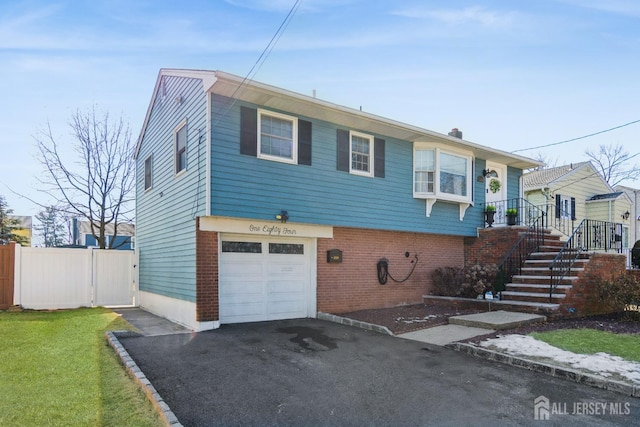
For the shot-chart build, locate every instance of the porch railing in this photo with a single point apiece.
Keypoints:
(525, 212)
(589, 236)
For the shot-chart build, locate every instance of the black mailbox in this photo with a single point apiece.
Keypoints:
(334, 255)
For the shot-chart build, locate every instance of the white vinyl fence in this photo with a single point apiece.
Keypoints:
(56, 278)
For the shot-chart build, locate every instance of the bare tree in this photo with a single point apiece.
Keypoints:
(98, 186)
(546, 161)
(613, 162)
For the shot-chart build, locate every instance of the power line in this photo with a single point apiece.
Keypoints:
(265, 53)
(580, 137)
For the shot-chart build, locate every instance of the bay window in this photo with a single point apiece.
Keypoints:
(442, 174)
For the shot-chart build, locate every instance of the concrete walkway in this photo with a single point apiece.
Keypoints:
(472, 325)
(149, 324)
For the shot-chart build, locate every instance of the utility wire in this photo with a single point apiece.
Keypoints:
(580, 137)
(263, 57)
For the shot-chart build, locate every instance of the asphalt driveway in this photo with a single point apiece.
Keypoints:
(311, 372)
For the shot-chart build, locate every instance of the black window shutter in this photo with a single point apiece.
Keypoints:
(573, 208)
(342, 152)
(378, 150)
(248, 131)
(304, 142)
(558, 206)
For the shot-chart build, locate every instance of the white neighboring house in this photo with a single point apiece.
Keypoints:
(634, 213)
(125, 239)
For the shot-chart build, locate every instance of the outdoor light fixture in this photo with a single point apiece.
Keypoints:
(283, 216)
(489, 173)
(625, 215)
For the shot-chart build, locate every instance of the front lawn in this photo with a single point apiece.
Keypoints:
(56, 369)
(591, 341)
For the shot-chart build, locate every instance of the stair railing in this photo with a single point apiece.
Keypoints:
(589, 236)
(530, 242)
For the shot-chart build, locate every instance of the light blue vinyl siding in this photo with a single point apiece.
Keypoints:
(166, 213)
(247, 187)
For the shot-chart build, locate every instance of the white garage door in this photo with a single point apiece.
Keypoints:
(265, 279)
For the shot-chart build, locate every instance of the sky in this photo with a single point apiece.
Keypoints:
(511, 75)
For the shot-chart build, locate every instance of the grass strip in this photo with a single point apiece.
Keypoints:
(57, 369)
(591, 341)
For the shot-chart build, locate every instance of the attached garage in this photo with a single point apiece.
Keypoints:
(266, 278)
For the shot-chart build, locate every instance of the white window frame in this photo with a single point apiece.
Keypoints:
(437, 194)
(182, 125)
(368, 173)
(149, 171)
(294, 137)
(565, 207)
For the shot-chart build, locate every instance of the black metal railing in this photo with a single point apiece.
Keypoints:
(558, 218)
(516, 211)
(534, 219)
(529, 243)
(589, 236)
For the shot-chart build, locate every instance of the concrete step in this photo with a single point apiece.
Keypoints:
(535, 287)
(547, 262)
(496, 320)
(567, 280)
(531, 296)
(541, 271)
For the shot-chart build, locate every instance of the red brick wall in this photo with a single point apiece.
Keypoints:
(206, 275)
(491, 245)
(353, 284)
(583, 299)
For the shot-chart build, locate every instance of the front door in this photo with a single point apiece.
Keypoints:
(496, 189)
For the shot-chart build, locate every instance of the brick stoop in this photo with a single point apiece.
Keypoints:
(532, 286)
(577, 295)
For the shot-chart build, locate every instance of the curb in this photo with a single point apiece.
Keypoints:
(543, 368)
(356, 323)
(132, 368)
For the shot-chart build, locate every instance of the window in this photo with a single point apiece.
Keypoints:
(181, 147)
(441, 174)
(453, 174)
(147, 173)
(425, 169)
(286, 248)
(242, 247)
(286, 139)
(361, 153)
(277, 137)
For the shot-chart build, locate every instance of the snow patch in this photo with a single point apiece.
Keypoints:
(600, 363)
(415, 319)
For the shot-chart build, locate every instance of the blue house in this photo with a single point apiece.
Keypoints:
(124, 239)
(256, 203)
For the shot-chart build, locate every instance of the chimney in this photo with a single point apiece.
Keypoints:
(455, 133)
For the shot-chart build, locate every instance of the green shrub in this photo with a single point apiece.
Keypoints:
(635, 255)
(621, 293)
(446, 281)
(468, 282)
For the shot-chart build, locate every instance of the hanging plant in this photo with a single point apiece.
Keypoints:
(494, 185)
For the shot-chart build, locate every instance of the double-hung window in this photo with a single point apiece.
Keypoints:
(424, 172)
(361, 147)
(442, 174)
(148, 163)
(277, 137)
(181, 147)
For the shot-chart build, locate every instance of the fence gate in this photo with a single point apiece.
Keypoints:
(113, 281)
(7, 264)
